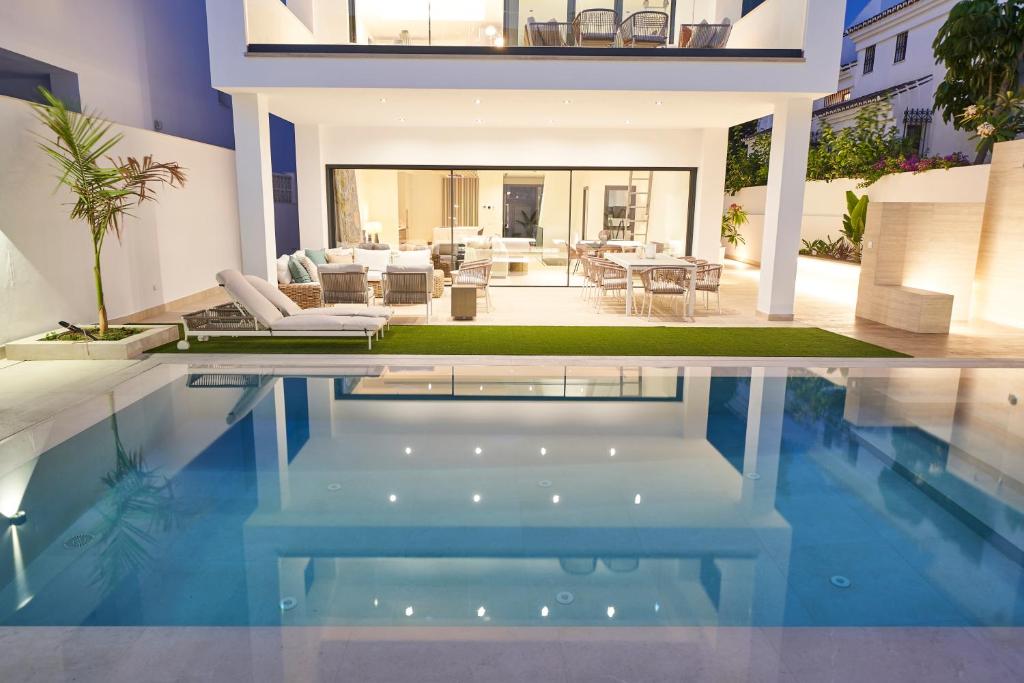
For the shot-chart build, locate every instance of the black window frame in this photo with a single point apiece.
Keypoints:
(901, 47)
(869, 59)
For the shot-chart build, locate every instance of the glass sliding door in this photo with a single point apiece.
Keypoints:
(520, 222)
(532, 224)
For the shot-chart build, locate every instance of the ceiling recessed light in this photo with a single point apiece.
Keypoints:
(658, 103)
(479, 121)
(401, 119)
(543, 451)
(476, 497)
(481, 611)
(392, 498)
(628, 122)
(637, 499)
(478, 450)
(566, 101)
(544, 611)
(408, 451)
(383, 100)
(476, 101)
(611, 452)
(611, 611)
(409, 611)
(556, 499)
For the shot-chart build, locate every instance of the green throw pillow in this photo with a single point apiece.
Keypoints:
(317, 256)
(298, 271)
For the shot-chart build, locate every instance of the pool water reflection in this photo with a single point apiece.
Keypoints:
(528, 497)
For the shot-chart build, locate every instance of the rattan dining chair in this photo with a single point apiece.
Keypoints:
(672, 282)
(709, 278)
(345, 283)
(595, 28)
(609, 277)
(643, 29)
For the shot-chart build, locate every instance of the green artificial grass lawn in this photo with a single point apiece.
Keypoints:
(493, 340)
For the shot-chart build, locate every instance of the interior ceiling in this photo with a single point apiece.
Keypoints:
(516, 109)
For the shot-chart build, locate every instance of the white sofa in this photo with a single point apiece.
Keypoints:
(375, 260)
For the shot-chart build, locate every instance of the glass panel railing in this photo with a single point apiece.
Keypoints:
(498, 24)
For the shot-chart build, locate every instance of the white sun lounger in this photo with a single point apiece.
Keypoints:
(290, 308)
(270, 322)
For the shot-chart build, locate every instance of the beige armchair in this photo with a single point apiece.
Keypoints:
(409, 285)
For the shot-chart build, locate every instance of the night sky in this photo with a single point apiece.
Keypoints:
(853, 8)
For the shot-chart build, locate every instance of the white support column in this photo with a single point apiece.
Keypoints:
(784, 208)
(311, 180)
(255, 184)
(707, 228)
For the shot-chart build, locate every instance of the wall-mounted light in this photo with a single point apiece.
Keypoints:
(18, 518)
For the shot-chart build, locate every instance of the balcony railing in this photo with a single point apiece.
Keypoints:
(511, 26)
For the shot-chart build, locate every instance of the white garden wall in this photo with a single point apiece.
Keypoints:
(171, 250)
(825, 203)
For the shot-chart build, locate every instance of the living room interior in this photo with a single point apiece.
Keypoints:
(528, 222)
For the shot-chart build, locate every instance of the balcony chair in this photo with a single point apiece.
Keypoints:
(704, 35)
(643, 29)
(672, 282)
(475, 274)
(545, 33)
(409, 285)
(595, 28)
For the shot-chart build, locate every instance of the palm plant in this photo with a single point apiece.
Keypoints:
(106, 188)
(529, 221)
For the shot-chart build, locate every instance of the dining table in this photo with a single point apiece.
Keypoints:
(634, 263)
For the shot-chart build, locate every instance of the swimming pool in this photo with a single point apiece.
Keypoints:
(523, 496)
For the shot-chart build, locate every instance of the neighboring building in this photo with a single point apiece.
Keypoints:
(140, 64)
(447, 125)
(887, 56)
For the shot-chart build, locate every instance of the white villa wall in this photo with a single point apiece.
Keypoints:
(457, 148)
(171, 250)
(136, 61)
(825, 203)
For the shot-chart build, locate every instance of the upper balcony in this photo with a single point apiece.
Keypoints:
(657, 28)
(533, 34)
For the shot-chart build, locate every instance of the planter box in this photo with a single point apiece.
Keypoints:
(32, 348)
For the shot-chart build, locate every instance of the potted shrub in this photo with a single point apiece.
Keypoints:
(732, 220)
(106, 189)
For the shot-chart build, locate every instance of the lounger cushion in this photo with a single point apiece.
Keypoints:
(242, 291)
(327, 323)
(358, 310)
(274, 295)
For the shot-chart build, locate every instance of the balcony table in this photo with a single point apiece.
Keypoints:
(633, 263)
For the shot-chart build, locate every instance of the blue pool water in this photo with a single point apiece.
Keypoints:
(528, 497)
